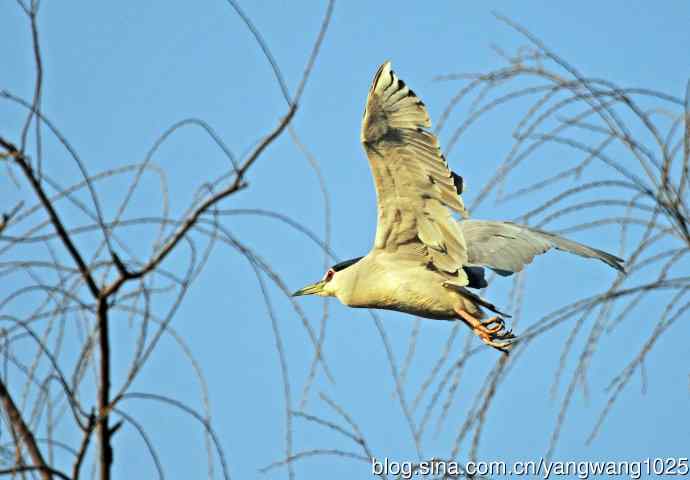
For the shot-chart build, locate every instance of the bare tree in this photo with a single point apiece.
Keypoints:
(76, 289)
(96, 284)
(641, 138)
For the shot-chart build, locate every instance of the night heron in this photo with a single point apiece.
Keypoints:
(424, 261)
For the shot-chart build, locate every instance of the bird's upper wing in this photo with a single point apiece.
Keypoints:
(507, 247)
(415, 190)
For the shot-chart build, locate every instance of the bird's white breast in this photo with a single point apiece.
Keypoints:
(407, 288)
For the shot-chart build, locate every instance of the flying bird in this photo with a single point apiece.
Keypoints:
(424, 261)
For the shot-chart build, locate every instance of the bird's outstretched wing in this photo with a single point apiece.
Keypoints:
(506, 247)
(415, 190)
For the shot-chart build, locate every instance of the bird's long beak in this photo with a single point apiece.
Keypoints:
(310, 289)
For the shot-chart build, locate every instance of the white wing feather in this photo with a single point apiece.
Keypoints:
(415, 190)
(507, 247)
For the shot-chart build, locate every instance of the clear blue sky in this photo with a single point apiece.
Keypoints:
(117, 75)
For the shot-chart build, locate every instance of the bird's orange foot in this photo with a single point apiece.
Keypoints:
(498, 323)
(492, 331)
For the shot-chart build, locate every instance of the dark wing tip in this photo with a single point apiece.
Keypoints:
(458, 182)
(610, 259)
(614, 261)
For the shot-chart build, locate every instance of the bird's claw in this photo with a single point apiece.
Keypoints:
(498, 323)
(491, 331)
(504, 343)
(495, 336)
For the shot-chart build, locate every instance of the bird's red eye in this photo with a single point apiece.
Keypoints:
(329, 275)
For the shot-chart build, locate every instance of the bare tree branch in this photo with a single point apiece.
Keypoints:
(25, 435)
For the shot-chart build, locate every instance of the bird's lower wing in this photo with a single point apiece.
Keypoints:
(507, 247)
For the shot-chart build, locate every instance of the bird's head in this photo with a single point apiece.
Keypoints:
(331, 282)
